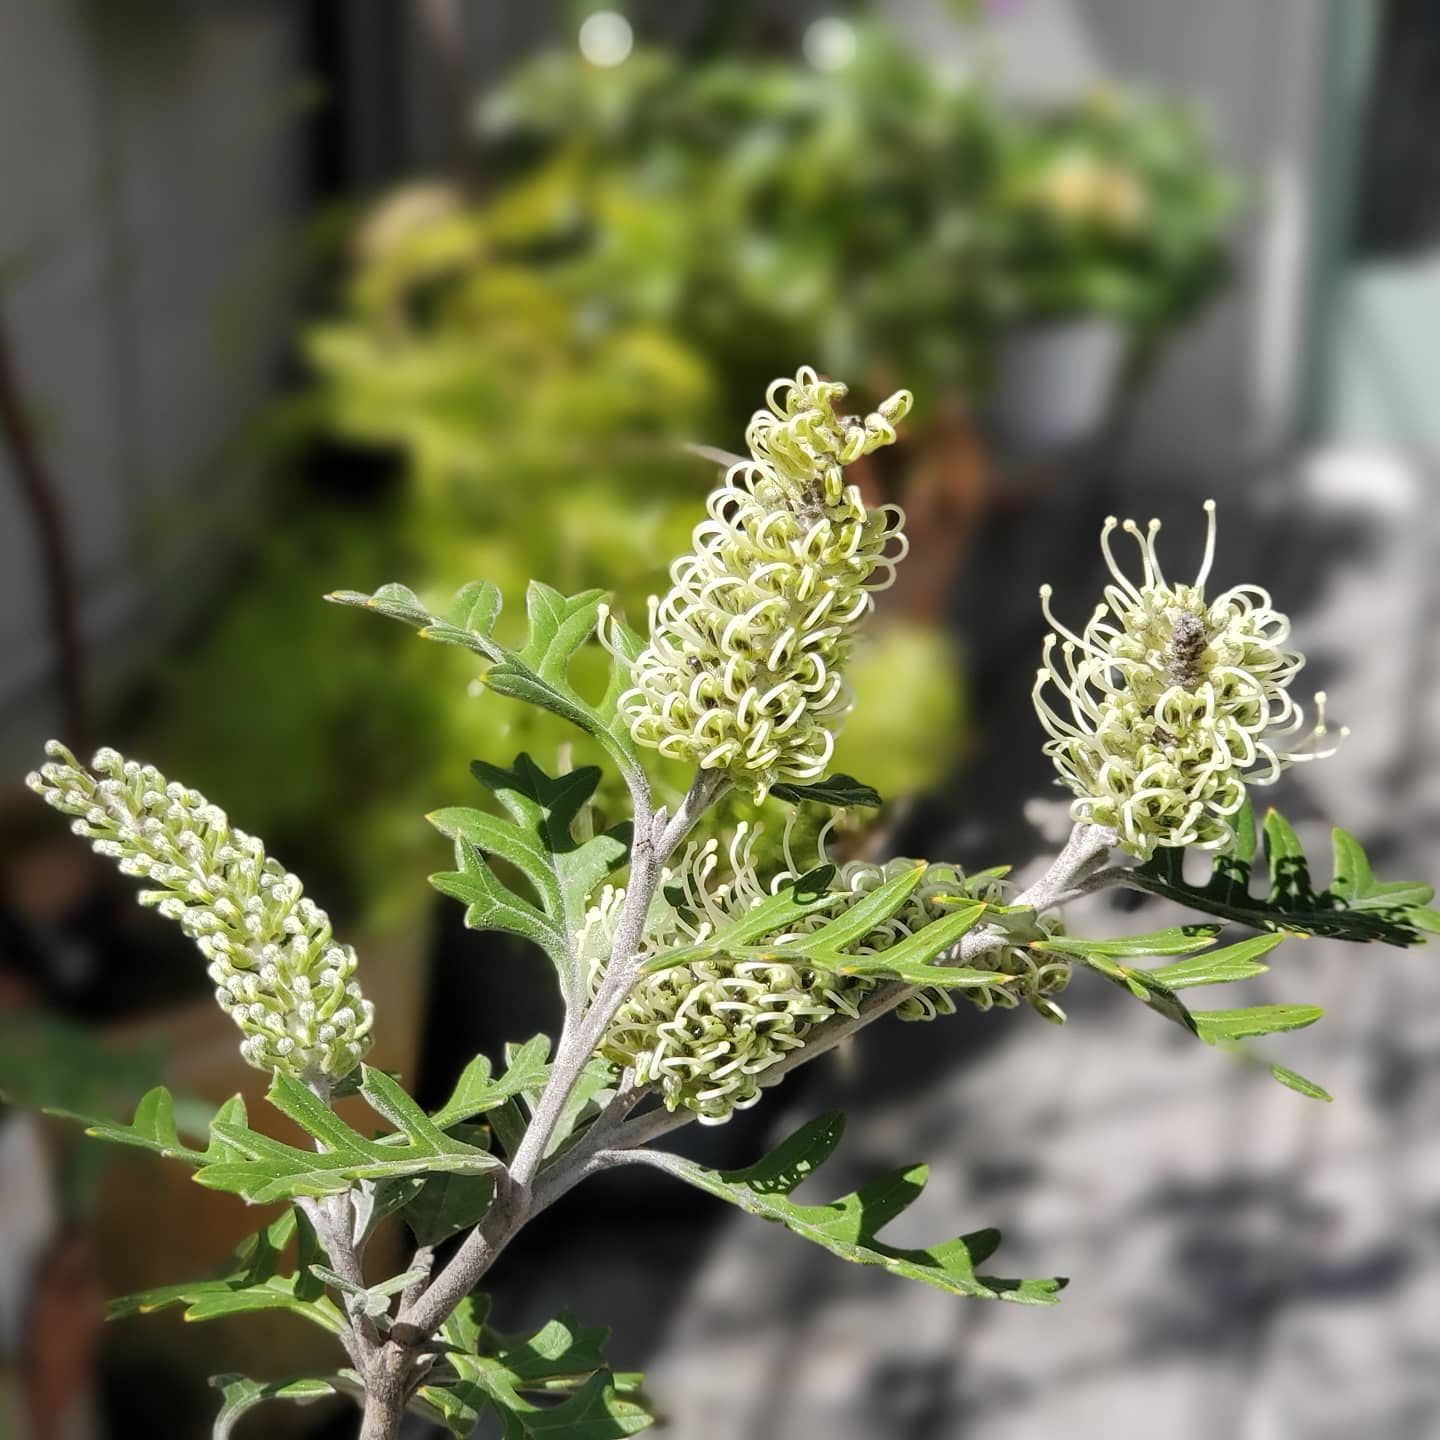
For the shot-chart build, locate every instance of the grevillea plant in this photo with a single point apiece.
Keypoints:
(691, 983)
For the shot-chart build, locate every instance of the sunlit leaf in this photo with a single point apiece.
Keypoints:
(1224, 965)
(912, 959)
(1178, 940)
(251, 1279)
(1355, 907)
(240, 1395)
(1217, 1025)
(840, 791)
(476, 1092)
(537, 835)
(153, 1128)
(587, 1097)
(771, 917)
(266, 1169)
(537, 673)
(1219, 967)
(848, 1226)
(552, 1383)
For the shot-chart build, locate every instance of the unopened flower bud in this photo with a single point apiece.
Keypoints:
(233, 901)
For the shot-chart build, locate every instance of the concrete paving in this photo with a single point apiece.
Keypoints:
(1245, 1264)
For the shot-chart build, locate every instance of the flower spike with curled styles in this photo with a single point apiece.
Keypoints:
(743, 669)
(1038, 974)
(278, 973)
(1177, 704)
(706, 1033)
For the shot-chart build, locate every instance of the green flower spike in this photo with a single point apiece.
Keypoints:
(706, 1033)
(743, 670)
(1177, 703)
(1039, 975)
(278, 973)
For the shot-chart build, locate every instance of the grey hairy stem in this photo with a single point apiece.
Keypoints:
(614, 1139)
(333, 1219)
(655, 841)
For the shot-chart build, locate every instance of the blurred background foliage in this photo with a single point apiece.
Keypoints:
(1112, 205)
(498, 288)
(506, 377)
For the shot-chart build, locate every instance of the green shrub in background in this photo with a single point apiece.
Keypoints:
(1114, 205)
(649, 243)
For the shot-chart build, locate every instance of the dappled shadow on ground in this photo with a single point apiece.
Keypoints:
(1234, 1272)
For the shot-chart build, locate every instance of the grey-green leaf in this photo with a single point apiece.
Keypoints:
(478, 601)
(475, 1092)
(269, 1169)
(848, 1226)
(1355, 907)
(839, 791)
(537, 835)
(240, 1395)
(562, 1362)
(587, 1097)
(153, 1128)
(1217, 1025)
(250, 1280)
(537, 673)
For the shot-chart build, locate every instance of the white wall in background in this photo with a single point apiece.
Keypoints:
(147, 196)
(1227, 389)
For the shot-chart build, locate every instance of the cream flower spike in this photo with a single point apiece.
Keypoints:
(743, 671)
(1176, 704)
(709, 1033)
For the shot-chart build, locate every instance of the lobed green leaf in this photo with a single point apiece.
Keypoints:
(537, 836)
(475, 1092)
(848, 1226)
(839, 791)
(447, 1203)
(562, 1364)
(537, 673)
(912, 959)
(153, 1128)
(267, 1169)
(589, 1095)
(770, 917)
(1157, 987)
(1355, 907)
(250, 1280)
(240, 1395)
(468, 620)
